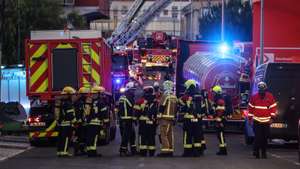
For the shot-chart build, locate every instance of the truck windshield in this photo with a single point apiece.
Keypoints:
(119, 63)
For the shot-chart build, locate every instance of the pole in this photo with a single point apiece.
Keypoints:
(222, 24)
(1, 40)
(261, 58)
(191, 19)
(19, 33)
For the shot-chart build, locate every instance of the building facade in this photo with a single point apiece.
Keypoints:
(169, 20)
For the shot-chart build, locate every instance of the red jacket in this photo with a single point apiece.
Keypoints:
(262, 110)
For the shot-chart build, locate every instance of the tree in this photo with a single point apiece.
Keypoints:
(238, 22)
(32, 15)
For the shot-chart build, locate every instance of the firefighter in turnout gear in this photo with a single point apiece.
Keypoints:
(95, 109)
(166, 119)
(80, 132)
(65, 117)
(262, 108)
(219, 115)
(127, 120)
(192, 127)
(146, 112)
(206, 108)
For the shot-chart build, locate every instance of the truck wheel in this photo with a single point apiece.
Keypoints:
(112, 133)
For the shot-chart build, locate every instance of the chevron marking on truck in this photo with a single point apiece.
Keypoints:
(157, 58)
(91, 53)
(38, 68)
(43, 134)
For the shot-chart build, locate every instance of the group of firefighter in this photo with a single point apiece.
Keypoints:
(85, 114)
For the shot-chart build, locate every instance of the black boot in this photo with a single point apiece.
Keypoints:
(143, 153)
(222, 151)
(264, 154)
(187, 153)
(256, 154)
(123, 153)
(133, 151)
(151, 153)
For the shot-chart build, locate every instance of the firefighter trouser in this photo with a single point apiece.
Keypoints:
(92, 132)
(166, 136)
(127, 136)
(203, 142)
(147, 133)
(192, 138)
(64, 138)
(261, 131)
(80, 142)
(220, 135)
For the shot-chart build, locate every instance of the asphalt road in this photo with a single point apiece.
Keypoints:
(239, 158)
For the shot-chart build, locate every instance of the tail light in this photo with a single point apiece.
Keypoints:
(34, 119)
(245, 112)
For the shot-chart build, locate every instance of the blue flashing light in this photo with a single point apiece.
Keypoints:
(20, 65)
(224, 48)
(118, 81)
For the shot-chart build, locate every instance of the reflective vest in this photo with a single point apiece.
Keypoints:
(66, 113)
(168, 107)
(262, 109)
(125, 109)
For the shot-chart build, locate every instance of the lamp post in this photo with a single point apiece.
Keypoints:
(261, 58)
(223, 22)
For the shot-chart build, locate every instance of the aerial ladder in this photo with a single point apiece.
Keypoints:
(123, 25)
(138, 24)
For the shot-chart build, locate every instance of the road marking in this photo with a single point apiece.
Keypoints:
(14, 154)
(282, 158)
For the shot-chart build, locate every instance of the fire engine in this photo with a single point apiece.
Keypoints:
(53, 63)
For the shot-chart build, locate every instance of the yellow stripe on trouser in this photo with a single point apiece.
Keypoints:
(222, 140)
(151, 147)
(66, 145)
(38, 73)
(185, 140)
(42, 49)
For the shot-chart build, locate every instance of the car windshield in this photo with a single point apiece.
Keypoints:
(119, 62)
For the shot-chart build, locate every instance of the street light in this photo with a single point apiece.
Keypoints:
(261, 58)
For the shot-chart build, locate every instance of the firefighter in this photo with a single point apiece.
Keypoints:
(262, 109)
(166, 119)
(80, 132)
(191, 105)
(94, 109)
(65, 116)
(147, 114)
(206, 108)
(127, 120)
(219, 115)
(157, 91)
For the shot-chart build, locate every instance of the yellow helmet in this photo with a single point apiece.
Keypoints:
(189, 83)
(68, 90)
(98, 89)
(84, 90)
(217, 89)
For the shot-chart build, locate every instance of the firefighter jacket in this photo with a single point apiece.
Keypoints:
(191, 106)
(96, 109)
(79, 109)
(262, 109)
(125, 108)
(219, 108)
(65, 112)
(206, 106)
(146, 110)
(167, 107)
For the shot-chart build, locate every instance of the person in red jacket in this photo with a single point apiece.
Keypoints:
(262, 108)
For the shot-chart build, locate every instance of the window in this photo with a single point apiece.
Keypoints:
(175, 11)
(124, 10)
(166, 12)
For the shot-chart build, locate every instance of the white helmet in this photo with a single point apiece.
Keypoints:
(168, 86)
(156, 84)
(129, 85)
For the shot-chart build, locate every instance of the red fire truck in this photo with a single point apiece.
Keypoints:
(52, 64)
